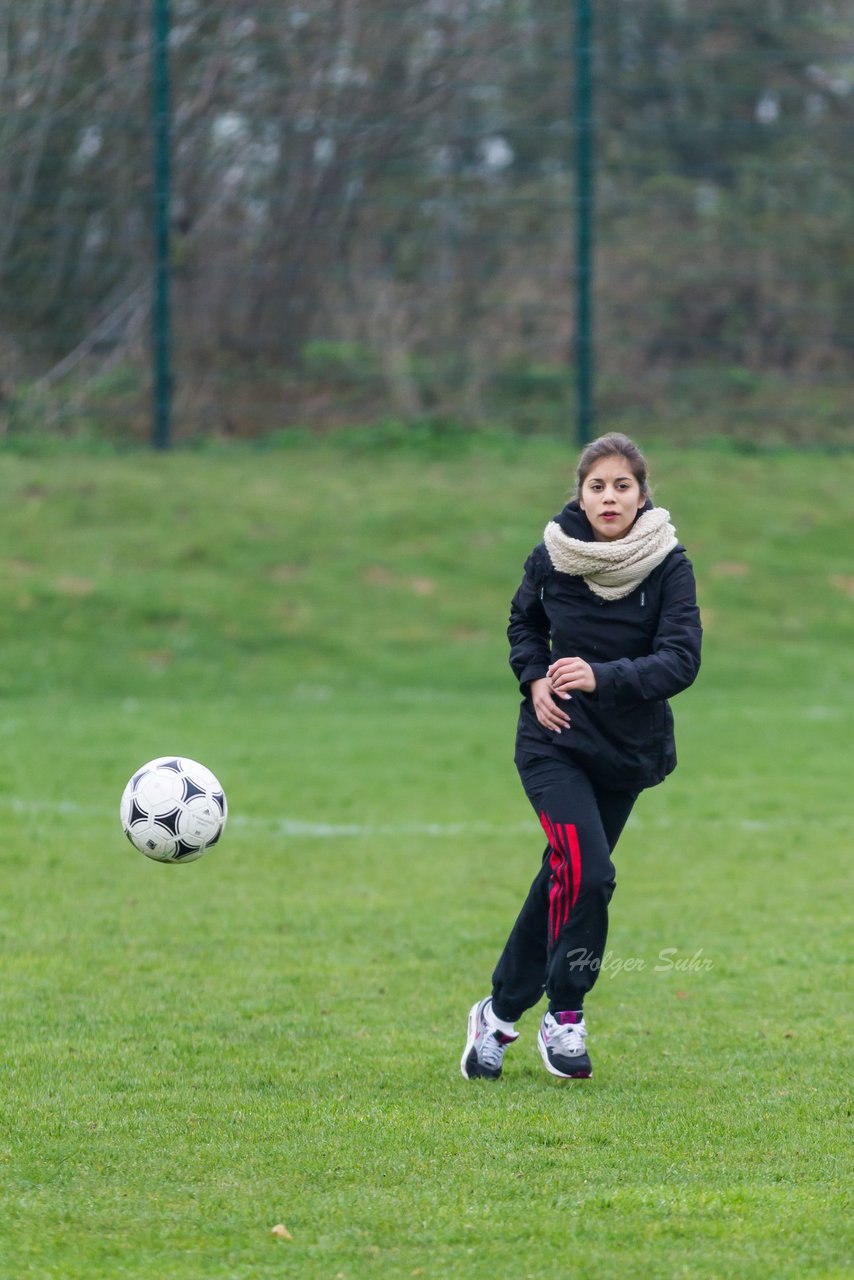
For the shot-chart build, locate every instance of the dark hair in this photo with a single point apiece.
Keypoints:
(614, 444)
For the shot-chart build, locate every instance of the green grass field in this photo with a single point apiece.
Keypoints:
(272, 1034)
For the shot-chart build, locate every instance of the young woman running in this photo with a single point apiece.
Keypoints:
(603, 630)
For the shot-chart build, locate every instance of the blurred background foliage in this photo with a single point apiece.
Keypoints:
(373, 216)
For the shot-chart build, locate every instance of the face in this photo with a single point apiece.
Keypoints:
(611, 498)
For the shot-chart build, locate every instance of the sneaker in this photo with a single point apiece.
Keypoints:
(486, 1042)
(561, 1044)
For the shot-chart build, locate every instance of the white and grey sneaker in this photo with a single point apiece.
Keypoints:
(561, 1044)
(487, 1039)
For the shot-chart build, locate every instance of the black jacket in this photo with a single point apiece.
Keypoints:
(643, 649)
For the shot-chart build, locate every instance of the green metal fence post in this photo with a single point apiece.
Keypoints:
(161, 303)
(584, 203)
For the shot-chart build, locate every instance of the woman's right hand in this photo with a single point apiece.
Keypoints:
(549, 714)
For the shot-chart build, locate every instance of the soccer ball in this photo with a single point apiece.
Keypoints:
(173, 809)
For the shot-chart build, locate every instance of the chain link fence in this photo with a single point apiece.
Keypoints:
(373, 212)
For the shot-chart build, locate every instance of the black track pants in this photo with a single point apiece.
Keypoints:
(558, 941)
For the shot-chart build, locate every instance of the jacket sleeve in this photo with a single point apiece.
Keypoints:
(675, 659)
(529, 631)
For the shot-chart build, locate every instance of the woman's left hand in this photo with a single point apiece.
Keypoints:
(572, 673)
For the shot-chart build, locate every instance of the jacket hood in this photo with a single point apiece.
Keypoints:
(575, 524)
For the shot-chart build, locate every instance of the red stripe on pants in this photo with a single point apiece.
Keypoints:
(565, 864)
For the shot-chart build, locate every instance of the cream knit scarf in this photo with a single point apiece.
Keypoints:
(613, 569)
